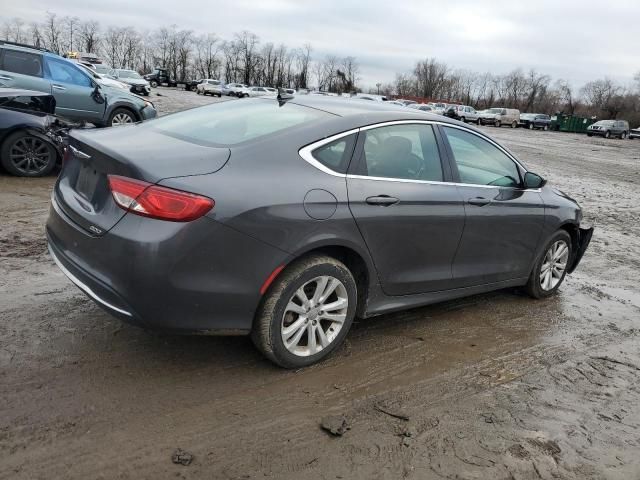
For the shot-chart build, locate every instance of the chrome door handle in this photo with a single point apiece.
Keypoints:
(382, 200)
(479, 201)
(59, 87)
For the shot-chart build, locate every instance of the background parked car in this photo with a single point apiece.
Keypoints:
(421, 106)
(609, 128)
(106, 80)
(634, 133)
(29, 144)
(438, 108)
(464, 113)
(78, 96)
(499, 116)
(209, 86)
(162, 76)
(535, 121)
(138, 84)
(235, 90)
(260, 91)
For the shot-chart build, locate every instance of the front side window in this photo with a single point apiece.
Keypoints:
(408, 152)
(480, 162)
(64, 72)
(23, 63)
(336, 155)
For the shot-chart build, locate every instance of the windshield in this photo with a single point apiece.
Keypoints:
(605, 123)
(495, 110)
(230, 123)
(103, 70)
(128, 74)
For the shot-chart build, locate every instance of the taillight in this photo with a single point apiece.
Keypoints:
(149, 200)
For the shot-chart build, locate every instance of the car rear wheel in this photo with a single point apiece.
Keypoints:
(153, 83)
(545, 128)
(623, 136)
(551, 268)
(198, 91)
(463, 120)
(498, 123)
(121, 116)
(306, 313)
(514, 125)
(26, 155)
(479, 121)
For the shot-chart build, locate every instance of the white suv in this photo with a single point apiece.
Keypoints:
(209, 86)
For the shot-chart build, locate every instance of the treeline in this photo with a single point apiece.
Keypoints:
(243, 58)
(527, 91)
(246, 59)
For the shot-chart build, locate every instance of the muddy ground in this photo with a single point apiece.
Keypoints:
(496, 386)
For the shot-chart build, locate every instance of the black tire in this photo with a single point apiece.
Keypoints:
(531, 127)
(607, 134)
(219, 95)
(545, 128)
(514, 124)
(623, 136)
(463, 120)
(498, 123)
(198, 91)
(533, 287)
(589, 134)
(39, 155)
(267, 326)
(153, 84)
(480, 121)
(123, 112)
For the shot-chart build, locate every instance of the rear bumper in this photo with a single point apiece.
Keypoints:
(584, 238)
(198, 277)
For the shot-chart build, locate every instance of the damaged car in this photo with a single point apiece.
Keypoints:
(31, 136)
(285, 218)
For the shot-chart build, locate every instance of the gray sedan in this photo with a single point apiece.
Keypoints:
(286, 218)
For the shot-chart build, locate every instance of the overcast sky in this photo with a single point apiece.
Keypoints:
(575, 40)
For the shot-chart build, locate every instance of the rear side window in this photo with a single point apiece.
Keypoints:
(230, 123)
(407, 152)
(480, 162)
(23, 63)
(336, 155)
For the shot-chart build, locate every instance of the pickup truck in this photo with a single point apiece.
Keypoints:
(161, 76)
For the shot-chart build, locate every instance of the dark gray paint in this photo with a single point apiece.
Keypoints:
(206, 275)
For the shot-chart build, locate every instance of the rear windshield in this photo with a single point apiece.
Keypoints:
(230, 123)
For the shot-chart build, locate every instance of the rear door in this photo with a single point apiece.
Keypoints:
(73, 91)
(410, 218)
(503, 221)
(21, 69)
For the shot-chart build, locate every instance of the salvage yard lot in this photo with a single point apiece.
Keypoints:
(492, 386)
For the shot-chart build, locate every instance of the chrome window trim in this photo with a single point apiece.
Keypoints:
(85, 288)
(306, 154)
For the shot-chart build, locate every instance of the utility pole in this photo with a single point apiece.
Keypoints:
(378, 87)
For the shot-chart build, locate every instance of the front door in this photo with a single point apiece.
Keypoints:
(73, 91)
(410, 219)
(503, 220)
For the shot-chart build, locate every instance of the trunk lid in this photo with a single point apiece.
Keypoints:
(82, 190)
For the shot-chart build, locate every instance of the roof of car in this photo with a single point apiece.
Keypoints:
(19, 92)
(356, 107)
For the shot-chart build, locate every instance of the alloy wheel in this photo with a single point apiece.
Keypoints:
(30, 155)
(314, 316)
(121, 119)
(554, 265)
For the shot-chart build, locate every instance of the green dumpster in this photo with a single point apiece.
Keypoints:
(571, 123)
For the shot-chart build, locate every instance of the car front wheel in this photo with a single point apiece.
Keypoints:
(27, 155)
(121, 116)
(306, 313)
(623, 136)
(549, 271)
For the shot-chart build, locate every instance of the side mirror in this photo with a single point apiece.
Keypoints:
(533, 180)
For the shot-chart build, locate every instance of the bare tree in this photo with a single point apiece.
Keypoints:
(53, 33)
(89, 34)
